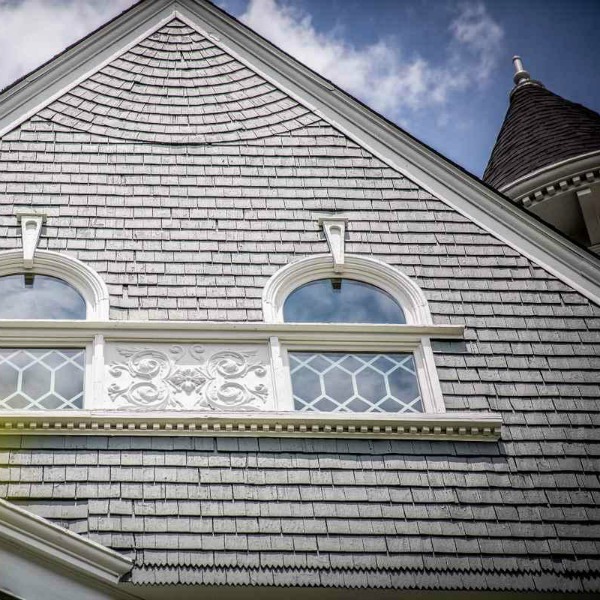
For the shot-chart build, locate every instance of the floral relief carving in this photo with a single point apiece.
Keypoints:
(187, 377)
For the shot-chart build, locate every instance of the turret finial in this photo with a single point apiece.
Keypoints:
(521, 75)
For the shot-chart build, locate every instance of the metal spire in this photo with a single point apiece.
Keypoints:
(521, 75)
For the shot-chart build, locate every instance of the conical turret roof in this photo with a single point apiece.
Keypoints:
(540, 129)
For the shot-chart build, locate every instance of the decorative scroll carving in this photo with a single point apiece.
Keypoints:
(187, 377)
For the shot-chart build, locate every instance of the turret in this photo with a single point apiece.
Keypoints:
(547, 158)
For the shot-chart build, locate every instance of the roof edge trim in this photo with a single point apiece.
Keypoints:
(550, 173)
(58, 545)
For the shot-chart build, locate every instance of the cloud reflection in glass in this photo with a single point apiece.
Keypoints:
(39, 297)
(341, 301)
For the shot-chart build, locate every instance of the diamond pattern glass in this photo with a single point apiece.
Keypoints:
(365, 383)
(41, 379)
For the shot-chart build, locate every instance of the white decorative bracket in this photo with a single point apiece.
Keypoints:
(31, 227)
(334, 227)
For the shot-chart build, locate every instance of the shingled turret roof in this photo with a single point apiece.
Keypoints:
(540, 129)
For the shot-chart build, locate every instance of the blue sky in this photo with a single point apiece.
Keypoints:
(439, 68)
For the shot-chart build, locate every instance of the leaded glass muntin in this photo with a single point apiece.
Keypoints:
(38, 296)
(42, 378)
(357, 382)
(341, 300)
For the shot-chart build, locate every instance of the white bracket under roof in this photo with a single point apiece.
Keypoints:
(334, 227)
(31, 228)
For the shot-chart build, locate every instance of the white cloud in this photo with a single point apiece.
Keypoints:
(32, 31)
(379, 73)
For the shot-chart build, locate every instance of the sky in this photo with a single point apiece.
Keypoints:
(441, 69)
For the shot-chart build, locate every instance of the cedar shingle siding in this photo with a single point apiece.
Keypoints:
(186, 180)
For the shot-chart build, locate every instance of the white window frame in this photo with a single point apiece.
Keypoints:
(72, 271)
(369, 270)
(88, 284)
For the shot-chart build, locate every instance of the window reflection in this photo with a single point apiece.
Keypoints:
(341, 301)
(28, 296)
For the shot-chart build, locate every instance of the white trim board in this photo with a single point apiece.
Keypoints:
(61, 333)
(59, 546)
(472, 426)
(466, 194)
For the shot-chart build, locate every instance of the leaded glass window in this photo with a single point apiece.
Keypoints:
(41, 379)
(30, 296)
(357, 382)
(341, 301)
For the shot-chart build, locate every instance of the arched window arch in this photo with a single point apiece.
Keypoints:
(347, 370)
(359, 268)
(54, 268)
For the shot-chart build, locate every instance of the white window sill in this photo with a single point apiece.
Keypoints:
(472, 426)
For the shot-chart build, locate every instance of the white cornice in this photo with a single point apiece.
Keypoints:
(552, 174)
(461, 191)
(474, 426)
(57, 545)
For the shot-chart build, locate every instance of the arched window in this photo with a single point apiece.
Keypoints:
(51, 272)
(31, 296)
(357, 376)
(58, 287)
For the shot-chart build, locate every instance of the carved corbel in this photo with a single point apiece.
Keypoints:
(334, 227)
(31, 228)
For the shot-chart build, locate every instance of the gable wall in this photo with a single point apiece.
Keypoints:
(186, 213)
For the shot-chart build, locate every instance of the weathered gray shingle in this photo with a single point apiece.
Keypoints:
(186, 202)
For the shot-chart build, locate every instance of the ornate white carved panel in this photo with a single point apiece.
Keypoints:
(206, 377)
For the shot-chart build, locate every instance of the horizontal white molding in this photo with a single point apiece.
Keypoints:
(47, 333)
(551, 175)
(471, 426)
(57, 545)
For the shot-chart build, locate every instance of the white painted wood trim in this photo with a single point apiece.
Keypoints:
(57, 545)
(475, 426)
(282, 388)
(31, 229)
(335, 231)
(41, 333)
(84, 279)
(431, 390)
(370, 270)
(551, 175)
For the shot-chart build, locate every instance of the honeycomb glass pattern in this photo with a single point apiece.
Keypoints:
(41, 379)
(362, 383)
